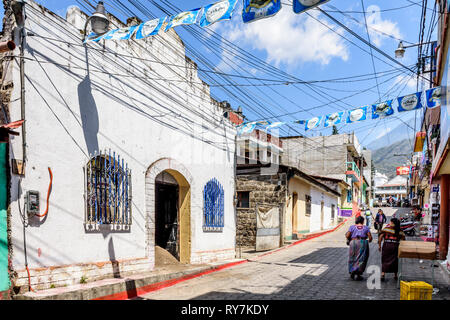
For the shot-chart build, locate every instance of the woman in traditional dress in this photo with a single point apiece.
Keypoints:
(390, 236)
(359, 236)
(380, 220)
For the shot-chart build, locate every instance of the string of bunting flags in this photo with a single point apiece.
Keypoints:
(223, 10)
(385, 109)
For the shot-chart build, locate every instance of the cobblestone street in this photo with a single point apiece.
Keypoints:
(315, 269)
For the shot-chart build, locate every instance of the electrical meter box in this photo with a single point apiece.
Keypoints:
(32, 202)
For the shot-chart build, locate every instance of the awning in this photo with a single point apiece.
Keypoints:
(7, 128)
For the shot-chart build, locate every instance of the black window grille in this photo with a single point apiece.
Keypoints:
(308, 205)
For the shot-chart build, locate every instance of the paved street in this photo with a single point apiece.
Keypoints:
(315, 269)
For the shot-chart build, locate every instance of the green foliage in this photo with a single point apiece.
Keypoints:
(83, 279)
(335, 130)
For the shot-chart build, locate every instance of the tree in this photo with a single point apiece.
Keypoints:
(335, 130)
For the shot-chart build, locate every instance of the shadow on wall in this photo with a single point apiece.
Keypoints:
(89, 115)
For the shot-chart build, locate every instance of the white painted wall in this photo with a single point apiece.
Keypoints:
(70, 114)
(317, 196)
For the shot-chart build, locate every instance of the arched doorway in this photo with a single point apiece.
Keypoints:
(166, 213)
(168, 206)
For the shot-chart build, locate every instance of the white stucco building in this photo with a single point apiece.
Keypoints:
(87, 106)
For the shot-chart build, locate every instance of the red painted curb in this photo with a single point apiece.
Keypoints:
(132, 293)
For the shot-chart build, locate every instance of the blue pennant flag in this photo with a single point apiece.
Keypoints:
(410, 102)
(187, 17)
(246, 128)
(333, 118)
(122, 34)
(106, 35)
(92, 37)
(149, 28)
(303, 5)
(274, 125)
(259, 9)
(382, 110)
(313, 123)
(219, 11)
(356, 115)
(433, 97)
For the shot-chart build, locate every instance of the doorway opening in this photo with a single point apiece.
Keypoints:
(167, 213)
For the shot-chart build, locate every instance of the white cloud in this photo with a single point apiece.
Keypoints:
(376, 22)
(290, 38)
(408, 82)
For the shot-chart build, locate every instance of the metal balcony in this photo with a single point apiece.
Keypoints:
(353, 171)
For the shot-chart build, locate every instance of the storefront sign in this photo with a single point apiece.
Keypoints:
(402, 171)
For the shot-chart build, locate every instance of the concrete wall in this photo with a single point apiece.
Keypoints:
(314, 221)
(324, 156)
(302, 188)
(82, 100)
(318, 196)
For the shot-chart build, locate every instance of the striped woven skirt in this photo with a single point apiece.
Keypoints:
(358, 256)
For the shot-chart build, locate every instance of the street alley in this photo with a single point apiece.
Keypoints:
(315, 269)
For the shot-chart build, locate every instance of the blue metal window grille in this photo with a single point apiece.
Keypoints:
(213, 206)
(107, 190)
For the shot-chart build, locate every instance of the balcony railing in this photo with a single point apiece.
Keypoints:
(351, 166)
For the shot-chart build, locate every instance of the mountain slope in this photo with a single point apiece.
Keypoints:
(384, 160)
(390, 136)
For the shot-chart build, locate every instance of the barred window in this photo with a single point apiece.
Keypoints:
(107, 190)
(213, 206)
(243, 199)
(333, 211)
(308, 205)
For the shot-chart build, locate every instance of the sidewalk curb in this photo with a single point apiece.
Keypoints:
(129, 294)
(168, 283)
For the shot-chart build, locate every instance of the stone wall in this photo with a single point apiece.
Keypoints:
(264, 192)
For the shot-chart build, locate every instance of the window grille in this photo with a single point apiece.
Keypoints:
(243, 198)
(308, 205)
(107, 190)
(333, 210)
(213, 206)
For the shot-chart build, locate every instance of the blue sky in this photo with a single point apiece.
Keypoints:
(307, 46)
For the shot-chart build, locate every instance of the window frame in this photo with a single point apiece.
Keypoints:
(213, 206)
(239, 200)
(308, 205)
(107, 191)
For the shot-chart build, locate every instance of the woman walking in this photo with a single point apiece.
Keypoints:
(380, 220)
(359, 237)
(390, 236)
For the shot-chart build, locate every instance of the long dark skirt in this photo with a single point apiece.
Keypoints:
(358, 256)
(389, 257)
